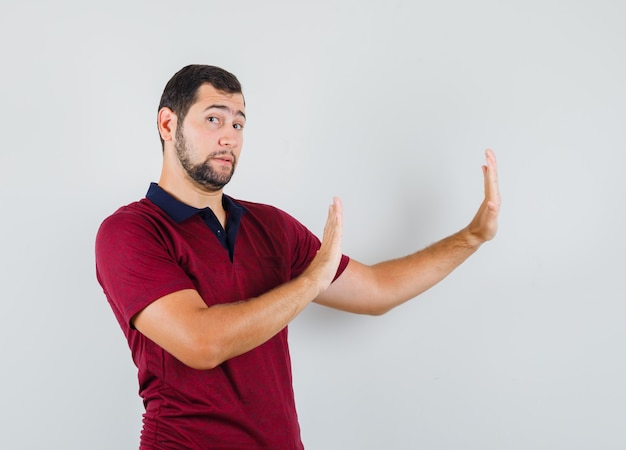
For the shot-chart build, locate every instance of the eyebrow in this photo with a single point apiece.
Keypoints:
(225, 108)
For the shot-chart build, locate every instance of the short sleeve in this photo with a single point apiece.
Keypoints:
(135, 264)
(304, 245)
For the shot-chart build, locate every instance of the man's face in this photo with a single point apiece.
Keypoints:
(208, 142)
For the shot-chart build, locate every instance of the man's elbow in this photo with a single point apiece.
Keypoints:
(378, 306)
(201, 355)
(378, 310)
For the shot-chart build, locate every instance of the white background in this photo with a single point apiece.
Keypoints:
(389, 105)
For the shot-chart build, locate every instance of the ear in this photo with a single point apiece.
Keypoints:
(166, 121)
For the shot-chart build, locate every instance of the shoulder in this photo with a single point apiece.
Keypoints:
(135, 221)
(263, 211)
(255, 207)
(272, 220)
(142, 212)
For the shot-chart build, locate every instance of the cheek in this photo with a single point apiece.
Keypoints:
(237, 151)
(195, 136)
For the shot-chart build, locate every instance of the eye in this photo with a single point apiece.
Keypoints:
(238, 126)
(213, 119)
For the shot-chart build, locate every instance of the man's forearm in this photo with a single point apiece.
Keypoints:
(376, 289)
(402, 279)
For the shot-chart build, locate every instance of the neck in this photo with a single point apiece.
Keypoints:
(184, 189)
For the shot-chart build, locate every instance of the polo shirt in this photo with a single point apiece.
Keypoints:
(158, 246)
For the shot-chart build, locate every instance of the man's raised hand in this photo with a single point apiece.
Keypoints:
(484, 225)
(324, 266)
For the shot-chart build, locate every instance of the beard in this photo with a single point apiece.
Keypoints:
(203, 173)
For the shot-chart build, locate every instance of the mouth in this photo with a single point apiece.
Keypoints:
(224, 159)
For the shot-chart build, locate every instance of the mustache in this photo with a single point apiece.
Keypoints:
(222, 153)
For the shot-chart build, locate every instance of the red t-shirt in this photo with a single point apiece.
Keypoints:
(142, 254)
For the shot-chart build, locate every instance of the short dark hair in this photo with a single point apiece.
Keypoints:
(180, 91)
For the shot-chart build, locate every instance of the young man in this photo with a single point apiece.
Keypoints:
(204, 285)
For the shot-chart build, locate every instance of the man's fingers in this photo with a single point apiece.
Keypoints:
(490, 172)
(334, 221)
(338, 206)
(338, 210)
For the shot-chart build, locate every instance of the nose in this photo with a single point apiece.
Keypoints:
(229, 137)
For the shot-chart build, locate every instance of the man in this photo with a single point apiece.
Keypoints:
(204, 285)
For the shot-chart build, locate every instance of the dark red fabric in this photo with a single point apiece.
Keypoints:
(246, 402)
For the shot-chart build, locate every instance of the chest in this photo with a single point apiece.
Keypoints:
(261, 261)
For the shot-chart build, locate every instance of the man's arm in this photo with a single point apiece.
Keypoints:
(203, 337)
(378, 288)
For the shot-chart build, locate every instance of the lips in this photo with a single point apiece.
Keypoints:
(224, 159)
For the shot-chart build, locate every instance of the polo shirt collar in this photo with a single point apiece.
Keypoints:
(179, 211)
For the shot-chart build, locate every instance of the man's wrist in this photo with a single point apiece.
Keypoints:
(472, 240)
